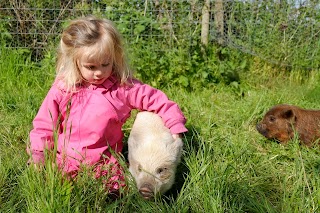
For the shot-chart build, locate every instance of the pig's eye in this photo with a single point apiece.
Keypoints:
(161, 170)
(139, 168)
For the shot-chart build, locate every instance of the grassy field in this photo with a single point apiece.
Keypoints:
(227, 165)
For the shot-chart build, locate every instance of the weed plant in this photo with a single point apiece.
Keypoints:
(227, 165)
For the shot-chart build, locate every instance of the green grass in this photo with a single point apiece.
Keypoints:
(227, 165)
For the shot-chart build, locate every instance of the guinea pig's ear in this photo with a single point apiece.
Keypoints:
(289, 115)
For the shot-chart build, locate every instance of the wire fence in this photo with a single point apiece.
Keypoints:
(281, 32)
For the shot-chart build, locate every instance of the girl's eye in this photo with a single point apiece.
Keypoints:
(104, 65)
(89, 67)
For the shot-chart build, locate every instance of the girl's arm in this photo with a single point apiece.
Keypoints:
(41, 136)
(147, 98)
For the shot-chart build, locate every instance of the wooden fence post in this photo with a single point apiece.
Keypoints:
(205, 23)
(218, 21)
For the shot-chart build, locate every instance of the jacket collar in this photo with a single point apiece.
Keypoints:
(109, 82)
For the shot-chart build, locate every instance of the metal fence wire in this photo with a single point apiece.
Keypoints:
(280, 31)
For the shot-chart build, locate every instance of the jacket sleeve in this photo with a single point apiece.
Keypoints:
(41, 136)
(147, 98)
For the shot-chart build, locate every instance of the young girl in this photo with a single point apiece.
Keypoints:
(92, 97)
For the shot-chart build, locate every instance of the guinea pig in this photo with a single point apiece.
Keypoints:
(282, 121)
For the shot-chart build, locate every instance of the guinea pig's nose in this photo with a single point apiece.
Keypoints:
(258, 126)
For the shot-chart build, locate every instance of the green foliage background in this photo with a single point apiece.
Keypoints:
(163, 37)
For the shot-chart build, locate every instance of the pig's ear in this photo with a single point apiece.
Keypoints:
(177, 146)
(133, 140)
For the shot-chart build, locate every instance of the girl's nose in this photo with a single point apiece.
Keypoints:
(98, 73)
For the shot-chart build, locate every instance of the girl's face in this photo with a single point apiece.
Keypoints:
(94, 72)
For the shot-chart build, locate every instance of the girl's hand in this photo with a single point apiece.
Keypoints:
(39, 166)
(175, 136)
(36, 166)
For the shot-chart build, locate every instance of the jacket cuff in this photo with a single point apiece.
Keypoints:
(178, 128)
(37, 157)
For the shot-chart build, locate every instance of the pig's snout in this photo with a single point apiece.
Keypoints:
(146, 191)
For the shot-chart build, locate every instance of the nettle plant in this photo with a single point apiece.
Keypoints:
(164, 45)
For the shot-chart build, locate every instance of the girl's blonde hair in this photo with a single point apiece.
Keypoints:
(97, 40)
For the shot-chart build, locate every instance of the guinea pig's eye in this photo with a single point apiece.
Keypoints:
(161, 169)
(272, 118)
(139, 168)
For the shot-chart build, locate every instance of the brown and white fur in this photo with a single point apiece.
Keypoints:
(153, 155)
(282, 121)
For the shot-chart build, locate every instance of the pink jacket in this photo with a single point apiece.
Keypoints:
(89, 122)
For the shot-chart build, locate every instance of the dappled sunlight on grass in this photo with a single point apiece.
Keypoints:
(227, 165)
